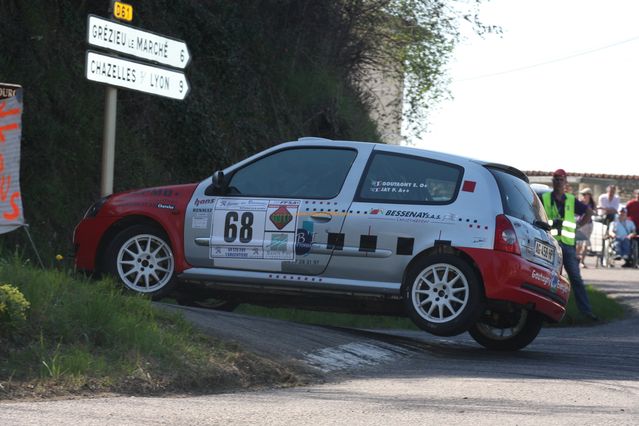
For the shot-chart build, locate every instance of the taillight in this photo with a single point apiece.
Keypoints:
(505, 236)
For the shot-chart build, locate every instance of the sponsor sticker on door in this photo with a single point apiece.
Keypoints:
(254, 229)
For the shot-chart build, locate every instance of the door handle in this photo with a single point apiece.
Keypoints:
(203, 242)
(321, 217)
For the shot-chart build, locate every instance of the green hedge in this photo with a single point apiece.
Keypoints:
(262, 72)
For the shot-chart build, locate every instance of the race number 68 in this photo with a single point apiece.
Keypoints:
(245, 227)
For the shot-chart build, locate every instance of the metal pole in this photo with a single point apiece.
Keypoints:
(108, 133)
(26, 229)
(108, 143)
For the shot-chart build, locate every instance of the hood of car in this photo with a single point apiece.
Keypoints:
(162, 198)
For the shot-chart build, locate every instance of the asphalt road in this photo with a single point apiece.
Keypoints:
(579, 375)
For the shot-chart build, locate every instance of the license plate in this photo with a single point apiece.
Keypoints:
(544, 251)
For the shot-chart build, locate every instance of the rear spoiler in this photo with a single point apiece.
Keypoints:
(508, 169)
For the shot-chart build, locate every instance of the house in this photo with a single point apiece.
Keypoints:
(597, 182)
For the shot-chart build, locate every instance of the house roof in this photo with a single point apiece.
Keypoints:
(590, 175)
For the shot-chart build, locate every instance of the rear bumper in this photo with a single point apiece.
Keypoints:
(511, 278)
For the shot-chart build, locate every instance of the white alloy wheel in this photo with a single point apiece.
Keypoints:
(440, 293)
(145, 263)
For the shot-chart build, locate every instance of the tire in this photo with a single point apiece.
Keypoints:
(508, 331)
(442, 295)
(141, 259)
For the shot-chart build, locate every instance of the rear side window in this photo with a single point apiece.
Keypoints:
(397, 178)
(518, 198)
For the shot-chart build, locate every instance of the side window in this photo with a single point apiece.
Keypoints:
(401, 178)
(298, 172)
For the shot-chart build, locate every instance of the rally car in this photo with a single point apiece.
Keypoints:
(456, 244)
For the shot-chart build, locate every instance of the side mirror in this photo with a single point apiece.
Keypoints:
(218, 185)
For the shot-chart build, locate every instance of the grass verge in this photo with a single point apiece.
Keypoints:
(606, 308)
(85, 337)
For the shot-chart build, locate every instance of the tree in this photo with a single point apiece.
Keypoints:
(411, 40)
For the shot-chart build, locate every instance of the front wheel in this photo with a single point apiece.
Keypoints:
(442, 295)
(506, 331)
(140, 257)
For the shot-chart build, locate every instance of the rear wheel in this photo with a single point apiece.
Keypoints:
(442, 295)
(142, 260)
(506, 331)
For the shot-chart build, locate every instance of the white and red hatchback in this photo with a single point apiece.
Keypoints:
(456, 244)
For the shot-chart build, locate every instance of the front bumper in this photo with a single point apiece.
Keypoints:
(86, 240)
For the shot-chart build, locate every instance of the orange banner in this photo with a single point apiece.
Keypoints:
(11, 215)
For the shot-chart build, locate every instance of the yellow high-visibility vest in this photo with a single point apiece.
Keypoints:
(568, 229)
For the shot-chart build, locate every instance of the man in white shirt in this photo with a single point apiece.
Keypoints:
(609, 203)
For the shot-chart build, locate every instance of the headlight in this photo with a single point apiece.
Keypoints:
(95, 207)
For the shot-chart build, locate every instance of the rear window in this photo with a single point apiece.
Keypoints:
(518, 199)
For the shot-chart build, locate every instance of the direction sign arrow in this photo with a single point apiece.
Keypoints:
(135, 42)
(136, 76)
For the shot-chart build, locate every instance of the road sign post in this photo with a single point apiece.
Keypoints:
(119, 72)
(108, 143)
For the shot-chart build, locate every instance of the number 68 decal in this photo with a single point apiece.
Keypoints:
(245, 227)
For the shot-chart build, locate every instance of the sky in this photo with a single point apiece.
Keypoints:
(558, 89)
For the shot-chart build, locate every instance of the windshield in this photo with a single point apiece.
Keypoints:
(518, 199)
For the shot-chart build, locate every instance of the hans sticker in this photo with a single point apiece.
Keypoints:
(199, 202)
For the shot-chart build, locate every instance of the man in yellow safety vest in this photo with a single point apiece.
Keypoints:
(562, 209)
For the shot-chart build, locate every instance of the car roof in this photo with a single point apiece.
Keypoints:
(414, 151)
(385, 147)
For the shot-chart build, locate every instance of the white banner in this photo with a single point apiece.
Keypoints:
(11, 214)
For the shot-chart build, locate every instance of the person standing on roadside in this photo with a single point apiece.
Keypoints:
(562, 210)
(609, 203)
(632, 208)
(585, 230)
